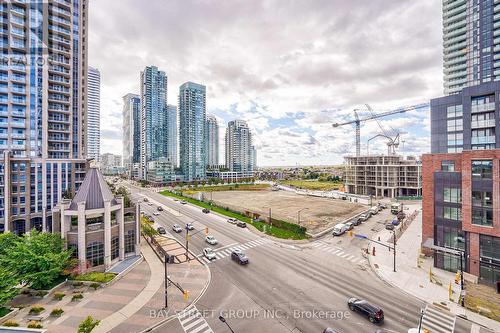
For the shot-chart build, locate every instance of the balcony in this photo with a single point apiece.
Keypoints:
(482, 107)
(477, 140)
(18, 136)
(18, 124)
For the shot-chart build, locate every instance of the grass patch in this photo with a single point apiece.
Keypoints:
(4, 311)
(35, 324)
(315, 185)
(234, 187)
(482, 299)
(95, 277)
(59, 296)
(37, 309)
(57, 312)
(281, 229)
(11, 323)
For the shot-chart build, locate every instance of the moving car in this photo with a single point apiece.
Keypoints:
(205, 210)
(349, 225)
(373, 312)
(160, 208)
(241, 224)
(161, 230)
(177, 228)
(239, 257)
(145, 199)
(209, 253)
(183, 202)
(232, 221)
(330, 330)
(339, 229)
(211, 240)
(189, 226)
(156, 213)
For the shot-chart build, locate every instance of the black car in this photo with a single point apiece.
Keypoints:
(241, 224)
(161, 230)
(239, 257)
(373, 312)
(357, 221)
(205, 210)
(160, 208)
(389, 226)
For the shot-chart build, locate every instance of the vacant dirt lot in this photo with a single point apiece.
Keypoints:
(318, 213)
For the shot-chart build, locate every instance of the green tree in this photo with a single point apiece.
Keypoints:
(87, 325)
(38, 260)
(7, 241)
(8, 286)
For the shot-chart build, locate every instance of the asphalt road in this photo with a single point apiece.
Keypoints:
(285, 288)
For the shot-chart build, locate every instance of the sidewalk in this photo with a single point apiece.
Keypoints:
(413, 279)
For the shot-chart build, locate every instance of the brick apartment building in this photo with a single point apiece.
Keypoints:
(461, 182)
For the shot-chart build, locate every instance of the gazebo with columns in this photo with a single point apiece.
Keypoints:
(98, 226)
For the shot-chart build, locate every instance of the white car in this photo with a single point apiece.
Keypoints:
(156, 213)
(232, 221)
(208, 253)
(177, 228)
(211, 240)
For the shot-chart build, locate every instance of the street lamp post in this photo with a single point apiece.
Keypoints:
(221, 318)
(462, 287)
(420, 321)
(394, 249)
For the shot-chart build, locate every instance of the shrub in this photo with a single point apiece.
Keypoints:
(35, 324)
(36, 309)
(40, 293)
(95, 285)
(57, 312)
(11, 323)
(95, 277)
(77, 297)
(59, 296)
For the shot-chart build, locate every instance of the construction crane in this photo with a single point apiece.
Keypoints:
(393, 143)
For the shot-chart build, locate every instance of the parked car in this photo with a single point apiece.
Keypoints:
(161, 230)
(382, 205)
(364, 217)
(349, 225)
(145, 199)
(356, 221)
(373, 312)
(189, 226)
(205, 210)
(330, 330)
(160, 208)
(232, 221)
(395, 222)
(241, 224)
(389, 226)
(211, 240)
(209, 253)
(374, 210)
(183, 202)
(339, 229)
(177, 228)
(239, 257)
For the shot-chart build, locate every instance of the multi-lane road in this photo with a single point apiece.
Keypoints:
(285, 287)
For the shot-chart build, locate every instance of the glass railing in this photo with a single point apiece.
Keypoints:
(483, 123)
(482, 139)
(483, 107)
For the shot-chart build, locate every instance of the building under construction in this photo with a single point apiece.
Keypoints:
(383, 176)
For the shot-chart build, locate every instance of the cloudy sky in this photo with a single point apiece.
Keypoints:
(290, 68)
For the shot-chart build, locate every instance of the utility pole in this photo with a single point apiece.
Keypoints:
(462, 289)
(187, 243)
(166, 280)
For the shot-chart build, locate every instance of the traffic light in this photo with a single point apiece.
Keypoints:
(186, 295)
(206, 230)
(350, 233)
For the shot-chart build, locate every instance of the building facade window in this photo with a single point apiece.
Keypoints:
(454, 111)
(482, 169)
(115, 248)
(453, 195)
(483, 217)
(95, 254)
(452, 213)
(482, 199)
(448, 166)
(489, 252)
(455, 125)
(130, 241)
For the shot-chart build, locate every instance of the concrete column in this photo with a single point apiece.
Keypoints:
(44, 218)
(121, 228)
(137, 229)
(107, 234)
(6, 179)
(82, 246)
(62, 222)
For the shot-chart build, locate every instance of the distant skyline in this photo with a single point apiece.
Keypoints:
(289, 76)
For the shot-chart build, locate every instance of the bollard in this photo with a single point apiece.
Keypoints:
(373, 251)
(379, 238)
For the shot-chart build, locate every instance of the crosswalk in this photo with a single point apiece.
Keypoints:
(337, 251)
(193, 322)
(223, 253)
(436, 321)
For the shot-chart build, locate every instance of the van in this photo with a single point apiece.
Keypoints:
(339, 229)
(374, 210)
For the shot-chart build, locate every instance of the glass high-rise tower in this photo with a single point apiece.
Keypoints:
(153, 116)
(172, 134)
(212, 140)
(239, 148)
(43, 69)
(93, 114)
(192, 117)
(131, 130)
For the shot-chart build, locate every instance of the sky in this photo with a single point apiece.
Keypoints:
(289, 68)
